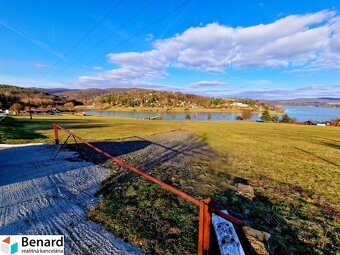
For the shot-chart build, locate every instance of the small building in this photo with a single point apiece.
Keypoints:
(238, 104)
(310, 122)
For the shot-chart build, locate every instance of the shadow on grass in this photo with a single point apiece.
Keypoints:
(183, 150)
(261, 214)
(310, 220)
(316, 156)
(26, 129)
(12, 129)
(159, 154)
(114, 148)
(332, 145)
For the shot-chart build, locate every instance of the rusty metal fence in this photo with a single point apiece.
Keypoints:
(206, 206)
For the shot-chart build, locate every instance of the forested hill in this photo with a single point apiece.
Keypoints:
(20, 98)
(135, 97)
(79, 94)
(119, 97)
(153, 98)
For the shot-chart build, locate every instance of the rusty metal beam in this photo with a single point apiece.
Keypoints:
(206, 207)
(145, 175)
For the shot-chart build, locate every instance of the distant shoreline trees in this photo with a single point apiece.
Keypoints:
(284, 118)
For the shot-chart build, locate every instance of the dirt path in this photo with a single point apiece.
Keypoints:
(41, 196)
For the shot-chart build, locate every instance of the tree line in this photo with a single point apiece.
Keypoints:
(152, 98)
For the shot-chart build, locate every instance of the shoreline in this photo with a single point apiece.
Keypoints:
(177, 110)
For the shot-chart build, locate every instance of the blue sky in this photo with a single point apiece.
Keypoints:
(257, 49)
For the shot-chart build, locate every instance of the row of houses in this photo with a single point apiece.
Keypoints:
(44, 111)
(33, 111)
(325, 123)
(4, 111)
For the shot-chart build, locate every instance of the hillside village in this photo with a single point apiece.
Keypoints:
(19, 99)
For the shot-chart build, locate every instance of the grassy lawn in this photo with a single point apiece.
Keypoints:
(92, 128)
(294, 169)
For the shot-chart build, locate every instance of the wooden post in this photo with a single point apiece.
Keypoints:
(29, 106)
(56, 134)
(204, 227)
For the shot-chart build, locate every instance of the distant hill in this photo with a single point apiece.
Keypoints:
(54, 91)
(22, 97)
(79, 94)
(135, 97)
(330, 98)
(318, 102)
(121, 97)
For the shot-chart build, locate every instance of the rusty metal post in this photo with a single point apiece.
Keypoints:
(201, 229)
(204, 227)
(56, 134)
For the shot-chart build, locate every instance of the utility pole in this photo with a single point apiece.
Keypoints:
(29, 105)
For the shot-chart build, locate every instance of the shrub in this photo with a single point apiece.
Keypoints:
(285, 118)
(266, 116)
(246, 114)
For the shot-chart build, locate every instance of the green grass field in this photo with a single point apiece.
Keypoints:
(294, 168)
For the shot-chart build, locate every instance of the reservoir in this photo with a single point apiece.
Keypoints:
(301, 113)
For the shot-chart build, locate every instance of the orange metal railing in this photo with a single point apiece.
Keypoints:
(206, 207)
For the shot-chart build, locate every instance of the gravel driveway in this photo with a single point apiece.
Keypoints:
(41, 196)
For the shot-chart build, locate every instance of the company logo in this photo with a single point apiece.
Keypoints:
(7, 247)
(32, 244)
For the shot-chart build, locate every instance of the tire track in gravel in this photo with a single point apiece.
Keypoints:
(41, 197)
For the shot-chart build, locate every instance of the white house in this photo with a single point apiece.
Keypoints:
(238, 104)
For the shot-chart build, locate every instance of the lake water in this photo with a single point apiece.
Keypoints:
(301, 113)
(304, 113)
(171, 115)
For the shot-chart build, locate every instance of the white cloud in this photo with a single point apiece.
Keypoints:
(40, 66)
(149, 37)
(312, 91)
(309, 42)
(148, 64)
(136, 68)
(97, 68)
(201, 84)
(259, 82)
